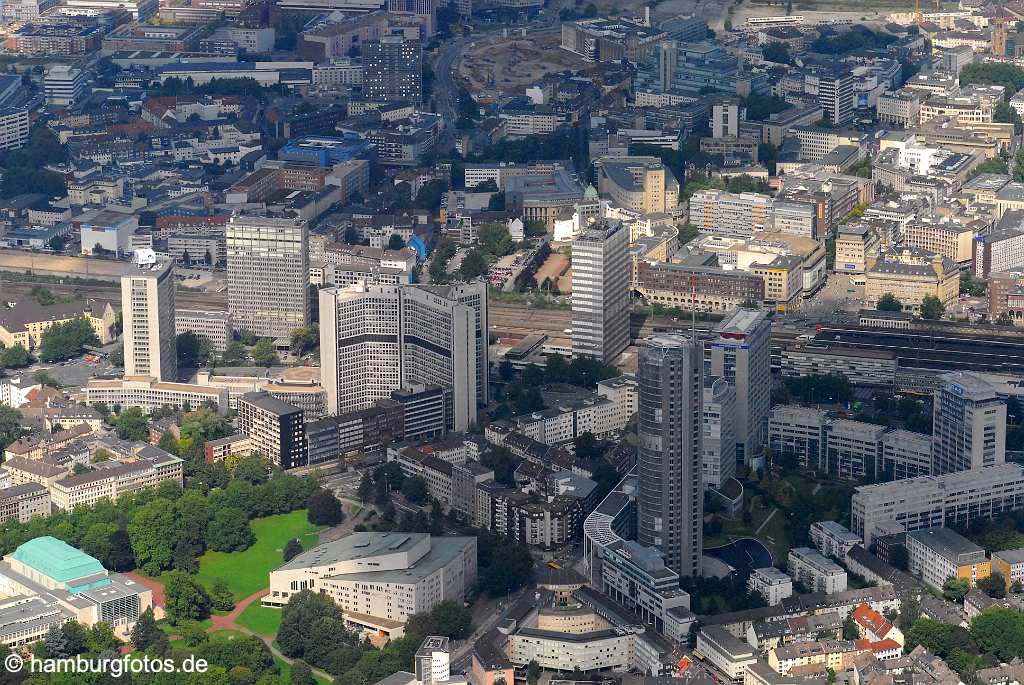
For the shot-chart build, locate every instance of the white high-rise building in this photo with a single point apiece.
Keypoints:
(600, 291)
(741, 353)
(968, 424)
(268, 274)
(670, 499)
(375, 339)
(147, 306)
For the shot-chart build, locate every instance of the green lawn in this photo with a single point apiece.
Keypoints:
(260, 619)
(773, 535)
(247, 572)
(226, 634)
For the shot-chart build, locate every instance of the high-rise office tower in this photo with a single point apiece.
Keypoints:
(835, 95)
(600, 291)
(375, 339)
(147, 306)
(670, 500)
(741, 354)
(725, 117)
(968, 424)
(393, 70)
(268, 274)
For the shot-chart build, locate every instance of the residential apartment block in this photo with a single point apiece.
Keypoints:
(816, 571)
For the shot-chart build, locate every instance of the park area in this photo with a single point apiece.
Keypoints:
(247, 572)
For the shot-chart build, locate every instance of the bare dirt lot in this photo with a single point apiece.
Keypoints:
(511, 64)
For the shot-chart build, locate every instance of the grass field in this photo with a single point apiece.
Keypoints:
(246, 572)
(773, 535)
(260, 620)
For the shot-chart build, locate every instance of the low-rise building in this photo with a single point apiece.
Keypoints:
(770, 583)
(213, 325)
(816, 571)
(938, 554)
(833, 539)
(725, 652)
(149, 394)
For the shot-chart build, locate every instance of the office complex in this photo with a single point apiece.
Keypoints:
(835, 95)
(670, 501)
(64, 85)
(600, 292)
(268, 274)
(375, 339)
(275, 428)
(741, 354)
(953, 499)
(968, 424)
(393, 70)
(147, 306)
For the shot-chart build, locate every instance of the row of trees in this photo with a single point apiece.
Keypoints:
(931, 306)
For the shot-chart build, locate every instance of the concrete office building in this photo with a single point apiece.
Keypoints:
(953, 499)
(64, 85)
(725, 118)
(640, 184)
(275, 428)
(741, 354)
(268, 274)
(719, 428)
(375, 339)
(214, 325)
(724, 213)
(835, 95)
(600, 291)
(147, 306)
(670, 500)
(380, 579)
(393, 70)
(937, 554)
(968, 424)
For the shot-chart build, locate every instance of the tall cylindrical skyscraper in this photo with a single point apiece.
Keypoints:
(670, 500)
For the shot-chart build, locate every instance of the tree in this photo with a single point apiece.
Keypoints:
(850, 629)
(533, 672)
(365, 490)
(154, 531)
(291, 550)
(10, 425)
(453, 619)
(954, 589)
(101, 638)
(131, 424)
(302, 674)
(75, 637)
(229, 531)
(185, 599)
(993, 585)
(776, 52)
(56, 644)
(473, 265)
(324, 509)
(15, 357)
(395, 242)
(304, 340)
(43, 377)
(910, 611)
(414, 489)
(263, 353)
(932, 307)
(999, 631)
(221, 598)
(889, 303)
(304, 608)
(1004, 319)
(121, 557)
(146, 633)
(234, 354)
(253, 468)
(66, 340)
(188, 348)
